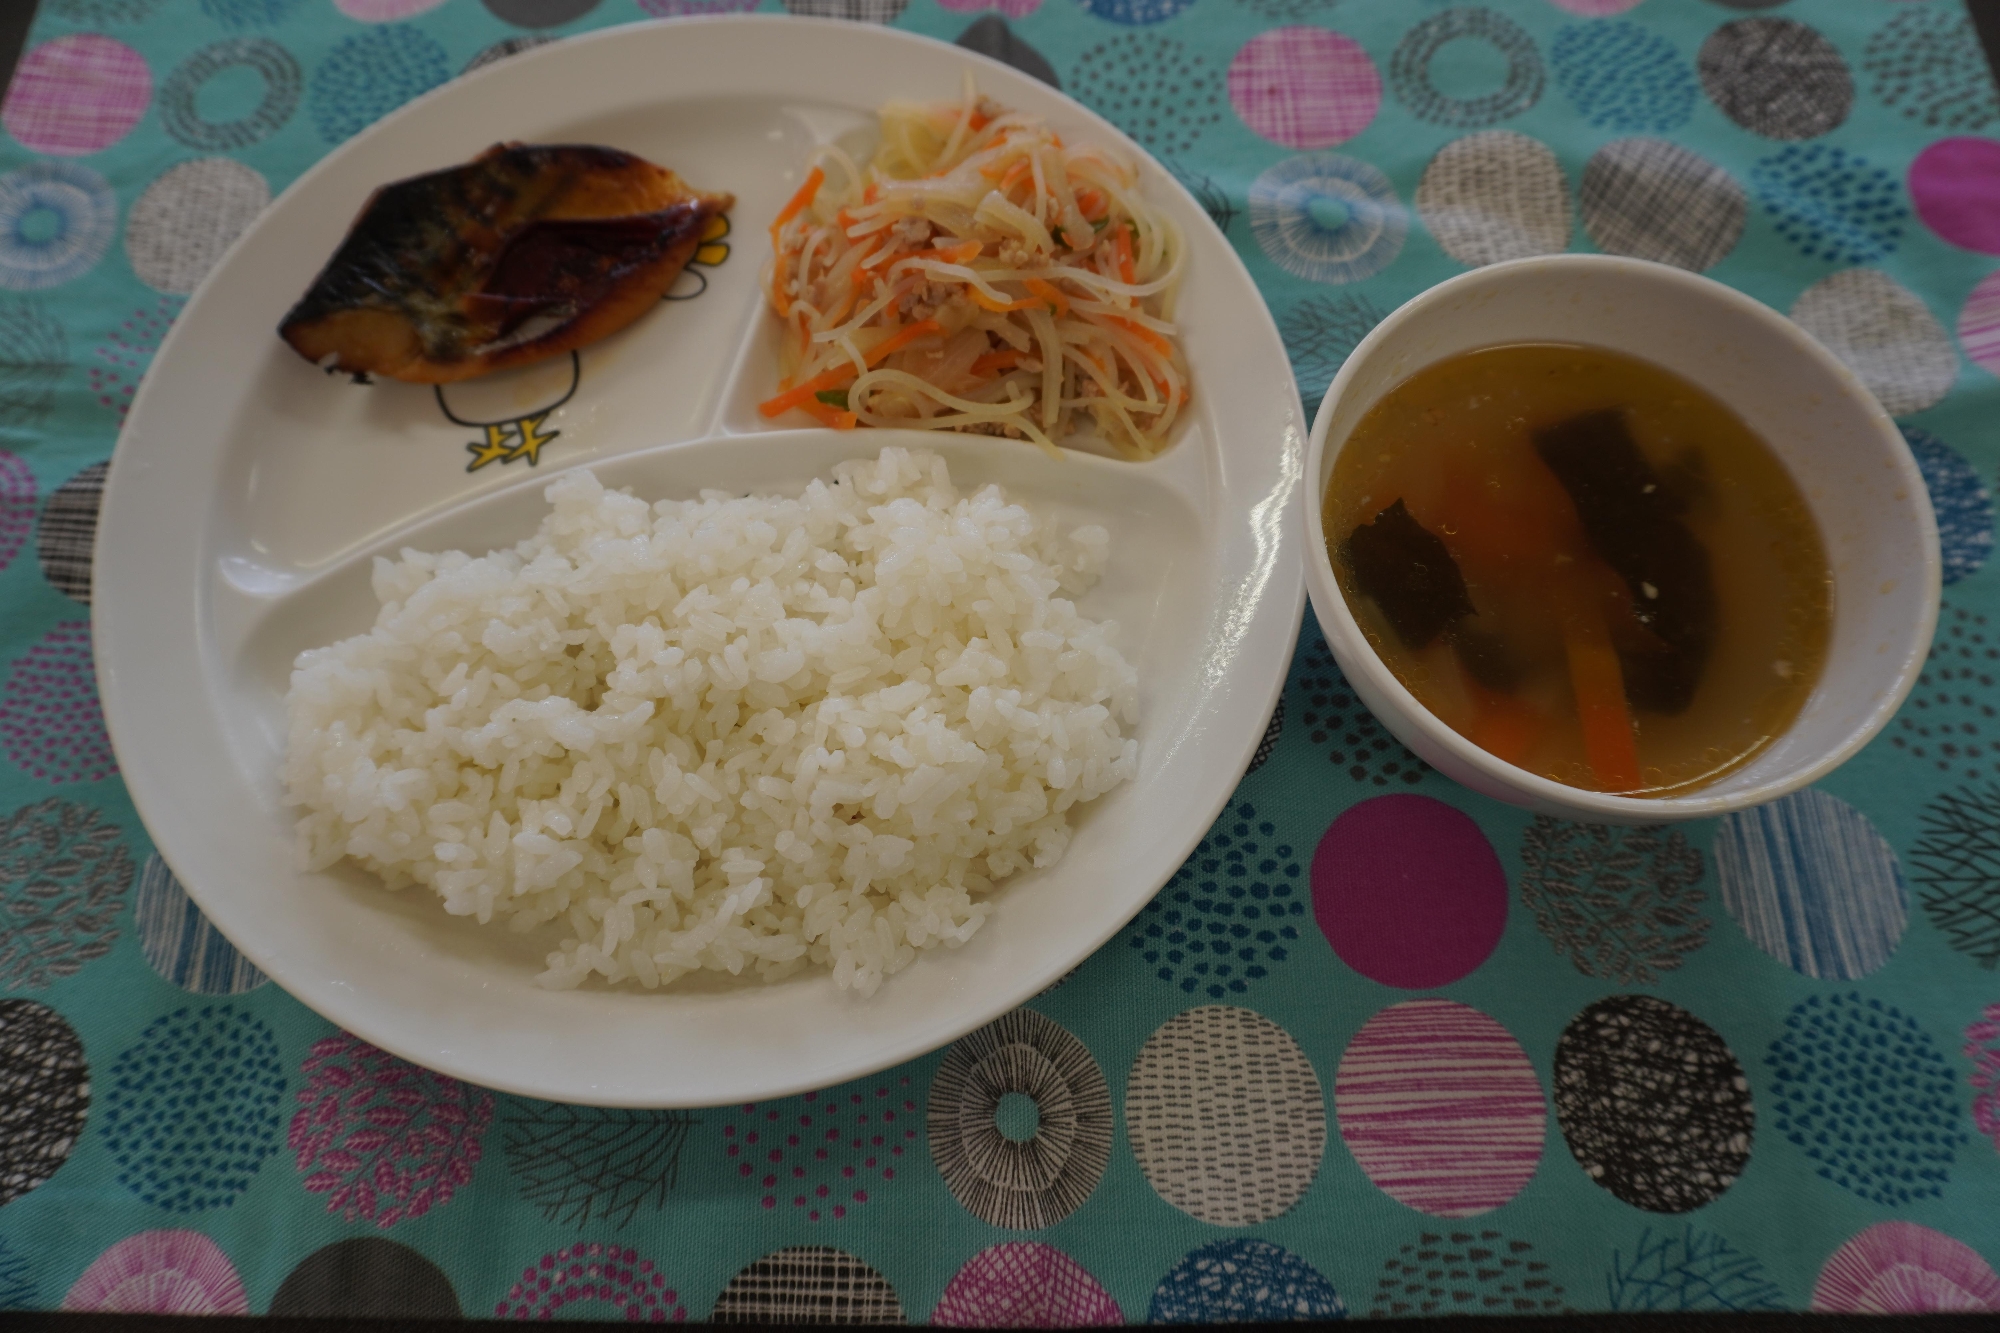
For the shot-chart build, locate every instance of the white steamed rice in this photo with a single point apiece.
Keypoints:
(745, 735)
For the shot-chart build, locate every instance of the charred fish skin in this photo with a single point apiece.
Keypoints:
(524, 253)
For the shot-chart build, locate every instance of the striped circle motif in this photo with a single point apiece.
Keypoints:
(184, 221)
(50, 723)
(67, 534)
(1979, 324)
(1024, 1284)
(808, 1284)
(56, 221)
(34, 353)
(44, 1095)
(1903, 1268)
(1327, 218)
(1834, 205)
(17, 486)
(1495, 196)
(1776, 77)
(1243, 1281)
(1960, 500)
(1225, 1116)
(1440, 1108)
(1651, 199)
(1411, 78)
(274, 67)
(1884, 333)
(160, 1272)
(76, 95)
(1304, 87)
(180, 943)
(371, 74)
(64, 871)
(1623, 77)
(1036, 1182)
(366, 1277)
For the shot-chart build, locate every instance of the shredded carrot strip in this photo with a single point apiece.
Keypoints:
(829, 415)
(868, 195)
(1599, 684)
(1015, 175)
(1091, 203)
(801, 394)
(992, 363)
(1050, 293)
(900, 339)
(798, 202)
(985, 302)
(1142, 333)
(963, 253)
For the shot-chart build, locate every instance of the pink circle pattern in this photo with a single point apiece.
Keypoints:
(1304, 87)
(1979, 324)
(1013, 9)
(1441, 1108)
(17, 505)
(1408, 891)
(593, 1271)
(1024, 1284)
(160, 1272)
(1595, 9)
(1955, 185)
(77, 95)
(50, 722)
(127, 351)
(1982, 1047)
(817, 1153)
(383, 11)
(385, 1140)
(1903, 1268)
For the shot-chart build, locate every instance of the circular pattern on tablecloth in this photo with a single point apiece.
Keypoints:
(808, 1284)
(184, 221)
(67, 534)
(1963, 506)
(1955, 184)
(50, 724)
(1327, 218)
(1225, 1116)
(1319, 332)
(1266, 747)
(1903, 1268)
(1156, 88)
(160, 1272)
(1408, 891)
(34, 353)
(1944, 724)
(366, 1277)
(383, 11)
(192, 1107)
(816, 1147)
(64, 870)
(1623, 77)
(667, 9)
(1834, 205)
(383, 1139)
(1927, 62)
(1652, 1102)
(371, 74)
(1440, 1108)
(1619, 903)
(1982, 1047)
(44, 1095)
(860, 11)
(1651, 199)
(17, 479)
(103, 11)
(76, 95)
(56, 221)
(1243, 1281)
(592, 1273)
(1863, 1091)
(1005, 9)
(1594, 8)
(1030, 1183)
(17, 1279)
(180, 108)
(1411, 78)
(1024, 1284)
(1495, 196)
(1230, 913)
(1813, 884)
(1465, 1272)
(539, 13)
(181, 944)
(1304, 87)
(1776, 77)
(1134, 13)
(1884, 333)
(506, 46)
(120, 361)
(251, 13)
(1979, 324)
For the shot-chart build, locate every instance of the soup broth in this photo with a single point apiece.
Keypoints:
(1583, 564)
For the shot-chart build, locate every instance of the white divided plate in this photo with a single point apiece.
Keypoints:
(249, 493)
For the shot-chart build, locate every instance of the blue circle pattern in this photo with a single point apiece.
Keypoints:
(1624, 78)
(1227, 912)
(85, 218)
(1861, 1088)
(1832, 204)
(181, 944)
(1364, 243)
(193, 1109)
(1243, 1281)
(1963, 505)
(1135, 13)
(368, 76)
(250, 13)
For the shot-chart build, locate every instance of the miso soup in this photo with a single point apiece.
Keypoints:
(1583, 564)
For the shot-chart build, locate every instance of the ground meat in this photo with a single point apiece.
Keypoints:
(910, 232)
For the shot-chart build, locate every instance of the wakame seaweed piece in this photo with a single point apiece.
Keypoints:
(1404, 569)
(1632, 519)
(1485, 655)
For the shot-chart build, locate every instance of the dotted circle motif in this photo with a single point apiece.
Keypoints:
(824, 1149)
(50, 724)
(1225, 1116)
(1926, 62)
(104, 11)
(1863, 1091)
(1319, 332)
(184, 221)
(1902, 1268)
(126, 352)
(1832, 204)
(1651, 199)
(56, 221)
(366, 1277)
(1134, 13)
(1031, 1183)
(192, 1108)
(75, 95)
(67, 535)
(1243, 1281)
(1155, 88)
(808, 1284)
(161, 1272)
(1776, 77)
(1620, 903)
(1465, 1272)
(17, 490)
(1229, 914)
(34, 353)
(1289, 11)
(250, 13)
(283, 82)
(1327, 218)
(1329, 712)
(1410, 69)
(64, 871)
(1024, 1284)
(1884, 333)
(1963, 506)
(1495, 196)
(44, 1095)
(591, 1273)
(371, 74)
(1653, 1104)
(1946, 720)
(179, 942)
(1623, 77)
(1304, 87)
(858, 11)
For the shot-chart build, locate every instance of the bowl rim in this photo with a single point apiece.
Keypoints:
(1356, 656)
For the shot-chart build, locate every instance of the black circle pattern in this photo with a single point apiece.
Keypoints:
(1410, 69)
(506, 46)
(539, 13)
(1038, 1181)
(1268, 746)
(1956, 868)
(1653, 1104)
(1776, 77)
(859, 11)
(67, 534)
(1157, 89)
(808, 1284)
(365, 1278)
(1949, 721)
(1335, 720)
(272, 63)
(44, 1095)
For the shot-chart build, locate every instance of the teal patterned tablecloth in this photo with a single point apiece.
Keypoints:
(1381, 1046)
